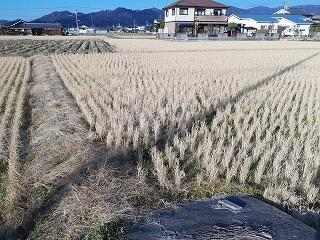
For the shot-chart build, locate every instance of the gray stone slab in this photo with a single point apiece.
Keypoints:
(236, 218)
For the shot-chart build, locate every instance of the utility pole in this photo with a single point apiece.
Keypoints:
(92, 25)
(286, 6)
(134, 25)
(77, 21)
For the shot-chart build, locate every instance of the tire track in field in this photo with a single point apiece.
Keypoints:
(61, 152)
(62, 155)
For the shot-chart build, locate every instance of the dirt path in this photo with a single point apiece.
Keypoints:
(72, 183)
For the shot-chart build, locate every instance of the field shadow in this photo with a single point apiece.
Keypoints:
(209, 114)
(100, 154)
(99, 158)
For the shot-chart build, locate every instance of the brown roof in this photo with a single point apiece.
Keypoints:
(196, 3)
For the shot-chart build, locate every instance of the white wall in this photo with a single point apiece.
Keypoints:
(234, 19)
(170, 17)
(271, 27)
(189, 17)
(304, 29)
(209, 11)
(178, 17)
(169, 28)
(297, 30)
(248, 22)
(283, 22)
(186, 18)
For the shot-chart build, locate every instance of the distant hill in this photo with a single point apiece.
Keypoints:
(261, 10)
(305, 9)
(107, 18)
(128, 17)
(3, 21)
(255, 10)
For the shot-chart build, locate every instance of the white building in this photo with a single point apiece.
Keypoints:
(82, 30)
(294, 25)
(195, 16)
(252, 24)
(290, 25)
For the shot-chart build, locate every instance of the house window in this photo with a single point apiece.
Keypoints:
(200, 12)
(173, 12)
(217, 12)
(183, 11)
(167, 13)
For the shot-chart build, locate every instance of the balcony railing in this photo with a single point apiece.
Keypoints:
(216, 19)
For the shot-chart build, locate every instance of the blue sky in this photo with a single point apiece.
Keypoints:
(30, 9)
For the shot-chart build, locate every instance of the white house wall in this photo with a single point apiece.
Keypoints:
(209, 11)
(180, 18)
(170, 17)
(304, 29)
(248, 22)
(186, 18)
(283, 22)
(234, 19)
(170, 28)
(299, 29)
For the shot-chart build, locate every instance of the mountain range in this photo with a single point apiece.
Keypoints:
(107, 18)
(128, 17)
(261, 10)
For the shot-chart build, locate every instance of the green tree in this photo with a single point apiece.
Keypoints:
(232, 27)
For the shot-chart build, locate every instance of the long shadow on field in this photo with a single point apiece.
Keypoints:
(208, 115)
(73, 168)
(98, 157)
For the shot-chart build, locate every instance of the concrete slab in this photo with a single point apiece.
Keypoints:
(236, 218)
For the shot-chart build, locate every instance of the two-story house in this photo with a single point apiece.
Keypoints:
(195, 16)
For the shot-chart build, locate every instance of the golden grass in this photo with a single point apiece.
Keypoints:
(238, 115)
(14, 82)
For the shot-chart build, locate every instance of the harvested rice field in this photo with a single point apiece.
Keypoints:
(97, 133)
(30, 47)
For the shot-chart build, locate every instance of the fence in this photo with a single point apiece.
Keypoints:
(315, 36)
(218, 37)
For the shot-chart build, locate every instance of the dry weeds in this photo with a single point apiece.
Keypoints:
(207, 116)
(14, 80)
(186, 114)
